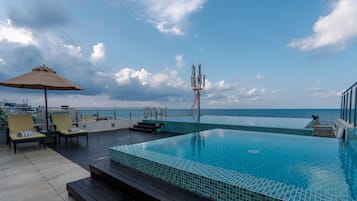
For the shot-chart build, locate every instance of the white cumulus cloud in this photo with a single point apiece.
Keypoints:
(73, 50)
(335, 30)
(220, 85)
(127, 76)
(179, 61)
(17, 35)
(98, 53)
(171, 16)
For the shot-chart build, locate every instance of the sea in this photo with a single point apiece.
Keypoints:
(325, 115)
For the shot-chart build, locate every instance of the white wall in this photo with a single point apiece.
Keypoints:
(107, 125)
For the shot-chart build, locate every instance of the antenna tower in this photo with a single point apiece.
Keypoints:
(197, 84)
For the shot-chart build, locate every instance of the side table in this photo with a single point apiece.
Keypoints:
(51, 136)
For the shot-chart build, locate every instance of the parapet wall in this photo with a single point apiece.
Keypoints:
(106, 125)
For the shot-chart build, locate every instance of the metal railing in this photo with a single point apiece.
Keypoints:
(349, 105)
(90, 113)
(79, 114)
(155, 112)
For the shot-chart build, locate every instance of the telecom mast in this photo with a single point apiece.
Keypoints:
(197, 84)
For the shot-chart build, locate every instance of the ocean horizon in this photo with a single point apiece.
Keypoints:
(325, 115)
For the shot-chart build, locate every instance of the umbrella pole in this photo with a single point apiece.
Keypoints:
(46, 109)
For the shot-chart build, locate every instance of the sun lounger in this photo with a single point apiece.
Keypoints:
(65, 128)
(22, 129)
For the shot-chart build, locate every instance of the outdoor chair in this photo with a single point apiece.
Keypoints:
(21, 129)
(64, 127)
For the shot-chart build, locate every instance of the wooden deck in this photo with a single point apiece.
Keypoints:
(99, 144)
(324, 131)
(110, 180)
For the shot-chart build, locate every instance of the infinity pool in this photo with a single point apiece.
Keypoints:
(273, 122)
(288, 167)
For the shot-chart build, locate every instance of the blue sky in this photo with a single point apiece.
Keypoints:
(134, 53)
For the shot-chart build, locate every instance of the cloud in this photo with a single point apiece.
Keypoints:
(259, 77)
(103, 86)
(222, 94)
(73, 50)
(221, 99)
(179, 61)
(126, 84)
(170, 16)
(251, 92)
(220, 85)
(98, 53)
(143, 85)
(168, 78)
(256, 94)
(323, 93)
(18, 35)
(40, 14)
(335, 30)
(2, 62)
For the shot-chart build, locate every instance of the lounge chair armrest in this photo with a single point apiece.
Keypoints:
(37, 128)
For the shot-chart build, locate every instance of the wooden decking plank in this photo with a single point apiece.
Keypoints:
(90, 189)
(75, 191)
(126, 185)
(152, 187)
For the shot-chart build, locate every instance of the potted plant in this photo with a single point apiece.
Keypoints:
(3, 119)
(3, 125)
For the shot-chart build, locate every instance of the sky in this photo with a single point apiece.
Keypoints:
(136, 53)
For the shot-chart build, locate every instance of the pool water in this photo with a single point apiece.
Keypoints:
(306, 162)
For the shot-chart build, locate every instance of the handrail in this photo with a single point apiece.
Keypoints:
(355, 84)
(348, 110)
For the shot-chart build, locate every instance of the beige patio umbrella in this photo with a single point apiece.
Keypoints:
(41, 77)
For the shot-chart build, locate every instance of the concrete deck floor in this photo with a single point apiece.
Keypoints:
(36, 174)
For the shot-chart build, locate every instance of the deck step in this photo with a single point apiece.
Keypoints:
(136, 184)
(146, 127)
(146, 130)
(91, 189)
